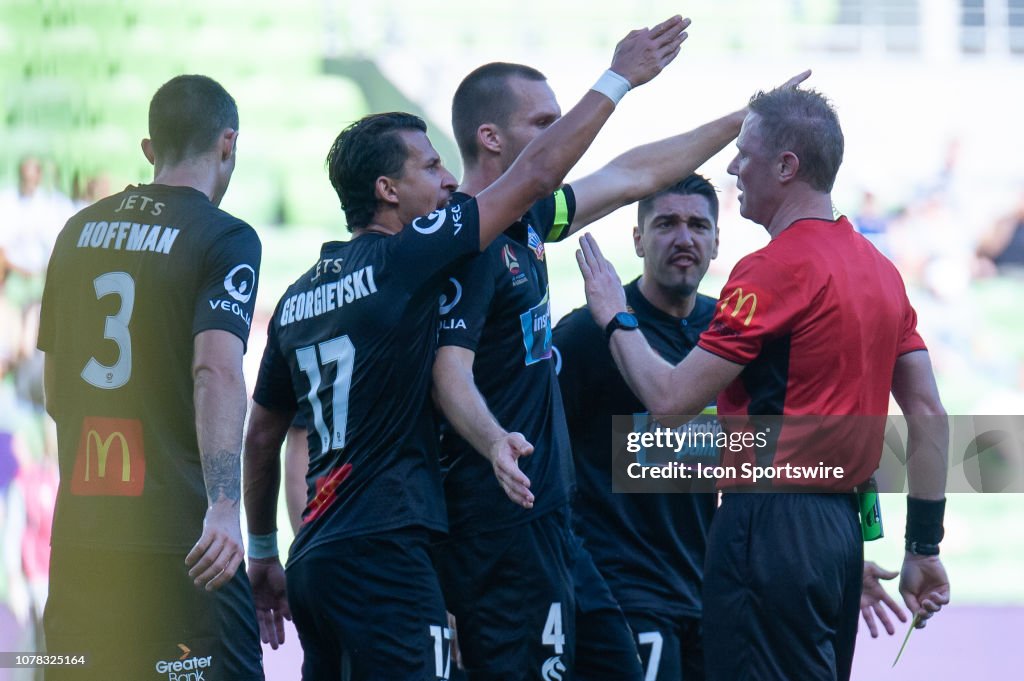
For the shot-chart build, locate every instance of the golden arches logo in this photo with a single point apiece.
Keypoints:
(99, 471)
(741, 300)
(102, 450)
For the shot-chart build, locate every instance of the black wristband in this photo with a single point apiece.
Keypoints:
(924, 525)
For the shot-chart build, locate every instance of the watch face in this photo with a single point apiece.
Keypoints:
(626, 320)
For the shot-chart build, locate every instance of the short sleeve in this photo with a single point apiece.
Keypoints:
(552, 216)
(465, 303)
(910, 339)
(274, 383)
(436, 243)
(759, 303)
(227, 293)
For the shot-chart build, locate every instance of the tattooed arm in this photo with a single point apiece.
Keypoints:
(219, 399)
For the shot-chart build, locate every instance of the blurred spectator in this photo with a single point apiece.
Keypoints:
(96, 187)
(869, 220)
(32, 218)
(1001, 249)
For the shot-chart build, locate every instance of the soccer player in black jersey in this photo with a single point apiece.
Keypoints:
(146, 311)
(649, 547)
(351, 346)
(496, 385)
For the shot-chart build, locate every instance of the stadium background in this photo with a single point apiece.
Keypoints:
(929, 93)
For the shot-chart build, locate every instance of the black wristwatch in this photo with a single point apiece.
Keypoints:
(621, 320)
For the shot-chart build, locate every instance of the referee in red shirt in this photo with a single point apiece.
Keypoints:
(816, 323)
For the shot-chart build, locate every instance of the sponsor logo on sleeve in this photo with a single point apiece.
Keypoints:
(739, 302)
(240, 283)
(111, 460)
(429, 224)
(451, 296)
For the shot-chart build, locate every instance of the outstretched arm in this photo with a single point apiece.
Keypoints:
(219, 398)
(544, 163)
(649, 168)
(455, 392)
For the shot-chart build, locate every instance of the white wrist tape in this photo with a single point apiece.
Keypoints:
(612, 85)
(263, 545)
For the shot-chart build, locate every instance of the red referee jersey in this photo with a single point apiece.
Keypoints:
(818, 318)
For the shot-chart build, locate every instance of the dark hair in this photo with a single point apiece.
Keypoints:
(692, 184)
(187, 115)
(805, 123)
(484, 97)
(369, 148)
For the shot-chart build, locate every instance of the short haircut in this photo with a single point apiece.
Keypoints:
(805, 123)
(484, 97)
(369, 148)
(187, 115)
(692, 184)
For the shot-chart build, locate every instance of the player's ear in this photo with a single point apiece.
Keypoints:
(788, 165)
(147, 150)
(386, 190)
(488, 137)
(228, 140)
(714, 249)
(638, 244)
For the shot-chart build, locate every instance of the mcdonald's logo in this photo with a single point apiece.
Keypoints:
(741, 300)
(111, 460)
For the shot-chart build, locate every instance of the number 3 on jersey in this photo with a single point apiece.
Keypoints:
(112, 377)
(342, 354)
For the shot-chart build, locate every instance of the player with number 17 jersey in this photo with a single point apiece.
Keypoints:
(356, 335)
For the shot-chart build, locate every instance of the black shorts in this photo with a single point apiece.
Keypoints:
(138, 615)
(511, 591)
(671, 647)
(370, 607)
(782, 585)
(605, 648)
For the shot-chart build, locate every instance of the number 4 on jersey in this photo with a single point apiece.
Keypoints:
(340, 352)
(552, 634)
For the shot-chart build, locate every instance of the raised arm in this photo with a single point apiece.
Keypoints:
(681, 390)
(649, 168)
(544, 163)
(220, 401)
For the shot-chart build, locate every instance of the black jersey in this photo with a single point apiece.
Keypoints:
(649, 547)
(351, 347)
(131, 281)
(498, 305)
